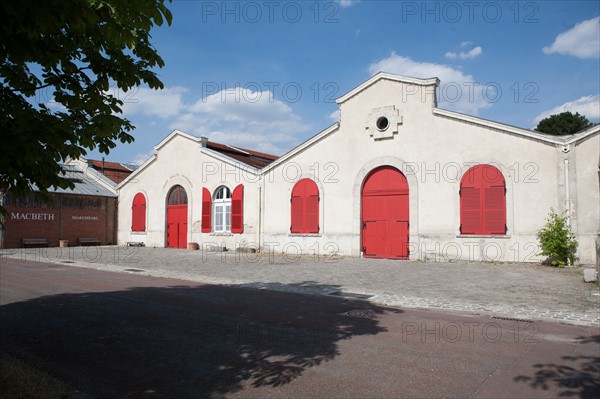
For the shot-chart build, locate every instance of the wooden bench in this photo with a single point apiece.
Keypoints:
(34, 242)
(88, 241)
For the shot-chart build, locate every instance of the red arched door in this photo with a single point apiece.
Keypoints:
(385, 214)
(177, 218)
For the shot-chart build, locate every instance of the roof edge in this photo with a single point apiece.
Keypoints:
(387, 76)
(94, 174)
(136, 172)
(499, 126)
(233, 162)
(580, 136)
(174, 133)
(301, 147)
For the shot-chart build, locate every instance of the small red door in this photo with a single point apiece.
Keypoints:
(177, 218)
(385, 223)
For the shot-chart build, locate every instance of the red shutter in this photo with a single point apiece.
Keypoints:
(311, 206)
(143, 216)
(470, 210)
(206, 210)
(494, 210)
(297, 206)
(138, 213)
(312, 214)
(305, 207)
(483, 201)
(237, 209)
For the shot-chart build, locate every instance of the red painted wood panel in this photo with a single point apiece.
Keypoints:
(177, 212)
(138, 213)
(305, 207)
(206, 210)
(237, 209)
(483, 201)
(385, 214)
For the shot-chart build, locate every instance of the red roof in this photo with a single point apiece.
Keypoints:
(97, 164)
(249, 157)
(113, 170)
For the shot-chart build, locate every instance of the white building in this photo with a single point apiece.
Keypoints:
(397, 177)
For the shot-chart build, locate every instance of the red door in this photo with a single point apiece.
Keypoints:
(385, 224)
(177, 218)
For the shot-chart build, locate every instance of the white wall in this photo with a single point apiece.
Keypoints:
(432, 149)
(182, 161)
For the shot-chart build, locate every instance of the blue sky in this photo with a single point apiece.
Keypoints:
(265, 74)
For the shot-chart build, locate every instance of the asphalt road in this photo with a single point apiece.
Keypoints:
(121, 335)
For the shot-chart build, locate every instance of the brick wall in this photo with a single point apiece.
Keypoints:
(116, 176)
(67, 217)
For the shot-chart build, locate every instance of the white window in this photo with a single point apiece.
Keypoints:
(222, 210)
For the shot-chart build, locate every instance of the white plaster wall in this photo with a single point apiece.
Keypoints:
(587, 193)
(181, 161)
(433, 152)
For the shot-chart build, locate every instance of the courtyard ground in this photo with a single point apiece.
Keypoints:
(524, 291)
(121, 335)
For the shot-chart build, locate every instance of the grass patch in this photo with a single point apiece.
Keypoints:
(19, 380)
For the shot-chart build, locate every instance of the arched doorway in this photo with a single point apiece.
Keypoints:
(177, 218)
(385, 217)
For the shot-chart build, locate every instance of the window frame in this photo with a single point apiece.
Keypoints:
(221, 210)
(177, 190)
(482, 198)
(139, 210)
(305, 220)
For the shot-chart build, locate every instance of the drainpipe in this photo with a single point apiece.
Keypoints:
(259, 216)
(567, 192)
(567, 198)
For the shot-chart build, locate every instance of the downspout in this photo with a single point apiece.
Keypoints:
(567, 199)
(567, 192)
(259, 216)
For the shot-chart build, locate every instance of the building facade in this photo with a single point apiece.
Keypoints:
(87, 211)
(396, 177)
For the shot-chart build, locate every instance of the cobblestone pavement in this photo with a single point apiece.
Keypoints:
(522, 291)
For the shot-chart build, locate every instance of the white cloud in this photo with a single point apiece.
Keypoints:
(450, 55)
(474, 52)
(581, 41)
(348, 3)
(458, 91)
(334, 116)
(245, 118)
(164, 103)
(141, 157)
(589, 106)
(465, 43)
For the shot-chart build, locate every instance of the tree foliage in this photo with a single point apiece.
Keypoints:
(557, 241)
(563, 123)
(64, 65)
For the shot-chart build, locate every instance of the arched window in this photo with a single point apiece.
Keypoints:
(483, 201)
(222, 210)
(224, 213)
(177, 196)
(138, 213)
(305, 207)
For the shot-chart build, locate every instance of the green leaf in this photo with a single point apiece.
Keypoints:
(71, 50)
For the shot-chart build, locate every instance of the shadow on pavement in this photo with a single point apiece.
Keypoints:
(182, 341)
(576, 376)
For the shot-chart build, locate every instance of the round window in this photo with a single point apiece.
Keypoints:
(382, 123)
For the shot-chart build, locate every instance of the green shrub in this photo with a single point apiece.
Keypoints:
(557, 241)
